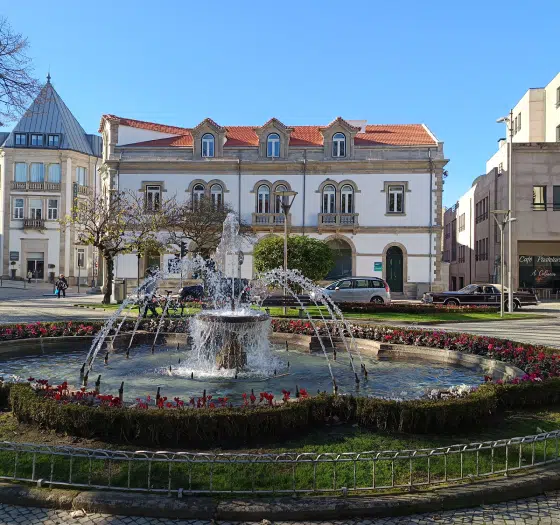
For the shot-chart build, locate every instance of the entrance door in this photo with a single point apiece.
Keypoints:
(395, 269)
(37, 269)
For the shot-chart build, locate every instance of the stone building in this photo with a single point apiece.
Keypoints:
(46, 162)
(373, 192)
(471, 236)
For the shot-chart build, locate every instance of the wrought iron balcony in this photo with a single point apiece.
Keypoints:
(33, 224)
(36, 186)
(338, 220)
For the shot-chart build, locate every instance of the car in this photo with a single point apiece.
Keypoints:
(485, 294)
(359, 290)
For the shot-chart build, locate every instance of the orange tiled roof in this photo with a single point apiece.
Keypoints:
(245, 136)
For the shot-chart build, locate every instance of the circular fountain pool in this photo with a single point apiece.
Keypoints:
(171, 368)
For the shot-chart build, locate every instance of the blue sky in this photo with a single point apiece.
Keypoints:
(455, 66)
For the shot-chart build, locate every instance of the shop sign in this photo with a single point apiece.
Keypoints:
(539, 259)
(377, 266)
(14, 256)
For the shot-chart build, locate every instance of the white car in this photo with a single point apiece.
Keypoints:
(359, 290)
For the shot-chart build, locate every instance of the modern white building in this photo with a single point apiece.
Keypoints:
(373, 192)
(47, 162)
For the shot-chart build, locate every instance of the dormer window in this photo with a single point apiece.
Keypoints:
(36, 140)
(21, 139)
(339, 145)
(208, 145)
(53, 141)
(273, 146)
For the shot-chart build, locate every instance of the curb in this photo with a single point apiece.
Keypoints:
(285, 508)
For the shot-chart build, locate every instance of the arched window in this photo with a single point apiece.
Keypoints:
(278, 199)
(347, 199)
(207, 145)
(329, 196)
(217, 195)
(339, 145)
(197, 194)
(263, 199)
(273, 145)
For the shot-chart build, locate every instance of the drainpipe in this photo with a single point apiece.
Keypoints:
(431, 163)
(304, 180)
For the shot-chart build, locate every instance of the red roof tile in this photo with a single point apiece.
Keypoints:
(306, 136)
(394, 135)
(241, 136)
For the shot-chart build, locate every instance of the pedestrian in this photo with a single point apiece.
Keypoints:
(61, 285)
(29, 275)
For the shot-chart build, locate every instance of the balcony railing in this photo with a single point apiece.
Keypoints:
(269, 219)
(546, 206)
(34, 224)
(348, 220)
(36, 186)
(84, 190)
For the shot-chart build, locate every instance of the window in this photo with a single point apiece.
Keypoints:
(197, 194)
(21, 172)
(481, 250)
(273, 145)
(54, 173)
(558, 96)
(329, 196)
(263, 199)
(500, 168)
(54, 141)
(481, 208)
(339, 145)
(462, 222)
(18, 208)
(81, 176)
(462, 252)
(37, 172)
(539, 198)
(279, 199)
(208, 145)
(36, 140)
(395, 199)
(217, 195)
(21, 139)
(519, 122)
(52, 210)
(362, 283)
(454, 240)
(36, 208)
(557, 133)
(515, 125)
(153, 198)
(556, 198)
(81, 258)
(447, 231)
(344, 285)
(347, 199)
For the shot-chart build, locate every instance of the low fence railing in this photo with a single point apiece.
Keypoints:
(184, 473)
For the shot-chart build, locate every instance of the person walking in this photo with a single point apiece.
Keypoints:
(61, 285)
(29, 275)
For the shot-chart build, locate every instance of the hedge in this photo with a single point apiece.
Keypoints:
(234, 427)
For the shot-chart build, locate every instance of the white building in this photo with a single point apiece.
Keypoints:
(46, 163)
(374, 192)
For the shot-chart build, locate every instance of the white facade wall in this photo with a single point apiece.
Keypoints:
(552, 109)
(129, 135)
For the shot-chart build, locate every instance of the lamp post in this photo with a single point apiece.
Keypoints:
(286, 204)
(508, 120)
(501, 225)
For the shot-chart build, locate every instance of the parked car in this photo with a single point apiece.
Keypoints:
(359, 290)
(480, 295)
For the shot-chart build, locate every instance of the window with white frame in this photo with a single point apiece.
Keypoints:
(36, 208)
(21, 139)
(54, 173)
(339, 145)
(197, 194)
(20, 172)
(395, 199)
(280, 199)
(81, 258)
(217, 195)
(52, 209)
(81, 176)
(18, 208)
(273, 145)
(329, 199)
(37, 172)
(153, 197)
(207, 145)
(36, 140)
(263, 199)
(347, 199)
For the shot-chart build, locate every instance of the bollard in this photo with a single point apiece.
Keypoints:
(121, 392)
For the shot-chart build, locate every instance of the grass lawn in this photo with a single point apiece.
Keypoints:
(334, 439)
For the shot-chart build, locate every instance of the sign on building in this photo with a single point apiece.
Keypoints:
(377, 266)
(14, 256)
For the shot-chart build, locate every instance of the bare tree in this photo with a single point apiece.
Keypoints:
(17, 85)
(201, 223)
(117, 225)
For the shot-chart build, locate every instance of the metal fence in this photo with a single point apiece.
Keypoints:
(184, 473)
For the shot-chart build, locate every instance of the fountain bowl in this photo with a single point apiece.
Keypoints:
(232, 317)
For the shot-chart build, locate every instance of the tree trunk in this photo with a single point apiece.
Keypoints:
(109, 271)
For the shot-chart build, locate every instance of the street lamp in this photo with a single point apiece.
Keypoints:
(501, 224)
(286, 204)
(508, 120)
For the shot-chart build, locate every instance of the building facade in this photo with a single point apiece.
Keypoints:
(471, 236)
(47, 162)
(373, 192)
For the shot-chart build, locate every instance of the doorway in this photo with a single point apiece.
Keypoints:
(395, 269)
(36, 265)
(342, 258)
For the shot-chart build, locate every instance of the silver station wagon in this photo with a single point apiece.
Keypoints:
(359, 290)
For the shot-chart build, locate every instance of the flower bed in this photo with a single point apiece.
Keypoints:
(401, 308)
(57, 329)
